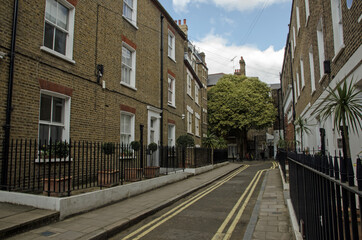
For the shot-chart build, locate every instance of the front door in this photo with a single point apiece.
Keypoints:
(154, 133)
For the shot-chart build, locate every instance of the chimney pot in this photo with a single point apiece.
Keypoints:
(176, 21)
(184, 21)
(179, 22)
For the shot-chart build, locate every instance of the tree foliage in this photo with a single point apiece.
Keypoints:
(238, 103)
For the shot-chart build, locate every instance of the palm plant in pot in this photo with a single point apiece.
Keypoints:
(152, 171)
(344, 105)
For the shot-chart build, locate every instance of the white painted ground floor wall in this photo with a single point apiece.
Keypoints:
(350, 72)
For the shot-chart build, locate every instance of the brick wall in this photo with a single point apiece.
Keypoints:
(99, 27)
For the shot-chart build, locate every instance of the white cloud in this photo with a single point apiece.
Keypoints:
(240, 5)
(265, 64)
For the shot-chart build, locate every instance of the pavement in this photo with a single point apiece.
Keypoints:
(270, 218)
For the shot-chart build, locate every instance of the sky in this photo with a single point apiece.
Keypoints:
(225, 30)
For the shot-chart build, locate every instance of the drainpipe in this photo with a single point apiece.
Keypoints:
(161, 79)
(5, 160)
(291, 77)
(282, 100)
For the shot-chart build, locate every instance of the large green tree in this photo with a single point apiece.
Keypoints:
(237, 104)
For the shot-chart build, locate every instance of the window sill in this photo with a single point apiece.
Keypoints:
(322, 78)
(171, 105)
(56, 54)
(303, 87)
(313, 92)
(190, 96)
(130, 22)
(190, 133)
(128, 86)
(307, 20)
(53, 160)
(339, 53)
(173, 59)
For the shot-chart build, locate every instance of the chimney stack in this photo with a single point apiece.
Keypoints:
(183, 27)
(242, 67)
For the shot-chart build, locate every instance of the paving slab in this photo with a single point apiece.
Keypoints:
(109, 220)
(17, 218)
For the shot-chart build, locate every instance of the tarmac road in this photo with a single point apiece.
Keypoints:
(219, 211)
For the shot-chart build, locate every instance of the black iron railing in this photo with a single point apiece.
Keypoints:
(65, 168)
(324, 196)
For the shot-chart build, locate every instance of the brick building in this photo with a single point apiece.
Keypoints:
(320, 32)
(95, 71)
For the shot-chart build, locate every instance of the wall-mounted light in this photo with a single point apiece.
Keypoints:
(2, 55)
(100, 72)
(183, 116)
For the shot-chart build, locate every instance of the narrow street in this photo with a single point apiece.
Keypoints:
(219, 211)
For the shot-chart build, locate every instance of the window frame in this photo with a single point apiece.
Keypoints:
(133, 19)
(307, 12)
(171, 129)
(190, 114)
(197, 124)
(311, 67)
(69, 42)
(171, 54)
(132, 83)
(321, 48)
(298, 83)
(172, 92)
(66, 114)
(197, 89)
(337, 26)
(189, 84)
(302, 73)
(132, 126)
(298, 19)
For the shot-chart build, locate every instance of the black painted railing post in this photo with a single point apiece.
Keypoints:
(350, 172)
(342, 168)
(359, 174)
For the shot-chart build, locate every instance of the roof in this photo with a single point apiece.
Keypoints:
(214, 78)
(274, 85)
(169, 18)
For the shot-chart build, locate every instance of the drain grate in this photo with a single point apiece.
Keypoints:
(47, 234)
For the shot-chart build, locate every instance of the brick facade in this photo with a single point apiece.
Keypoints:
(100, 31)
(303, 47)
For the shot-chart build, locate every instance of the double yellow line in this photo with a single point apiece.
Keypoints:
(144, 230)
(220, 232)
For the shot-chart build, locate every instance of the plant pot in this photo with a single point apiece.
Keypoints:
(133, 174)
(151, 172)
(107, 178)
(58, 186)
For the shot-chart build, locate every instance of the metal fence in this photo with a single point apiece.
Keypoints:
(62, 169)
(324, 196)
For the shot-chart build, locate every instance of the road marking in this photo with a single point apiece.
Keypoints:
(238, 216)
(173, 212)
(219, 234)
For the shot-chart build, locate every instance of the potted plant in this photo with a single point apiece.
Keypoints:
(152, 171)
(133, 173)
(108, 177)
(135, 145)
(56, 153)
